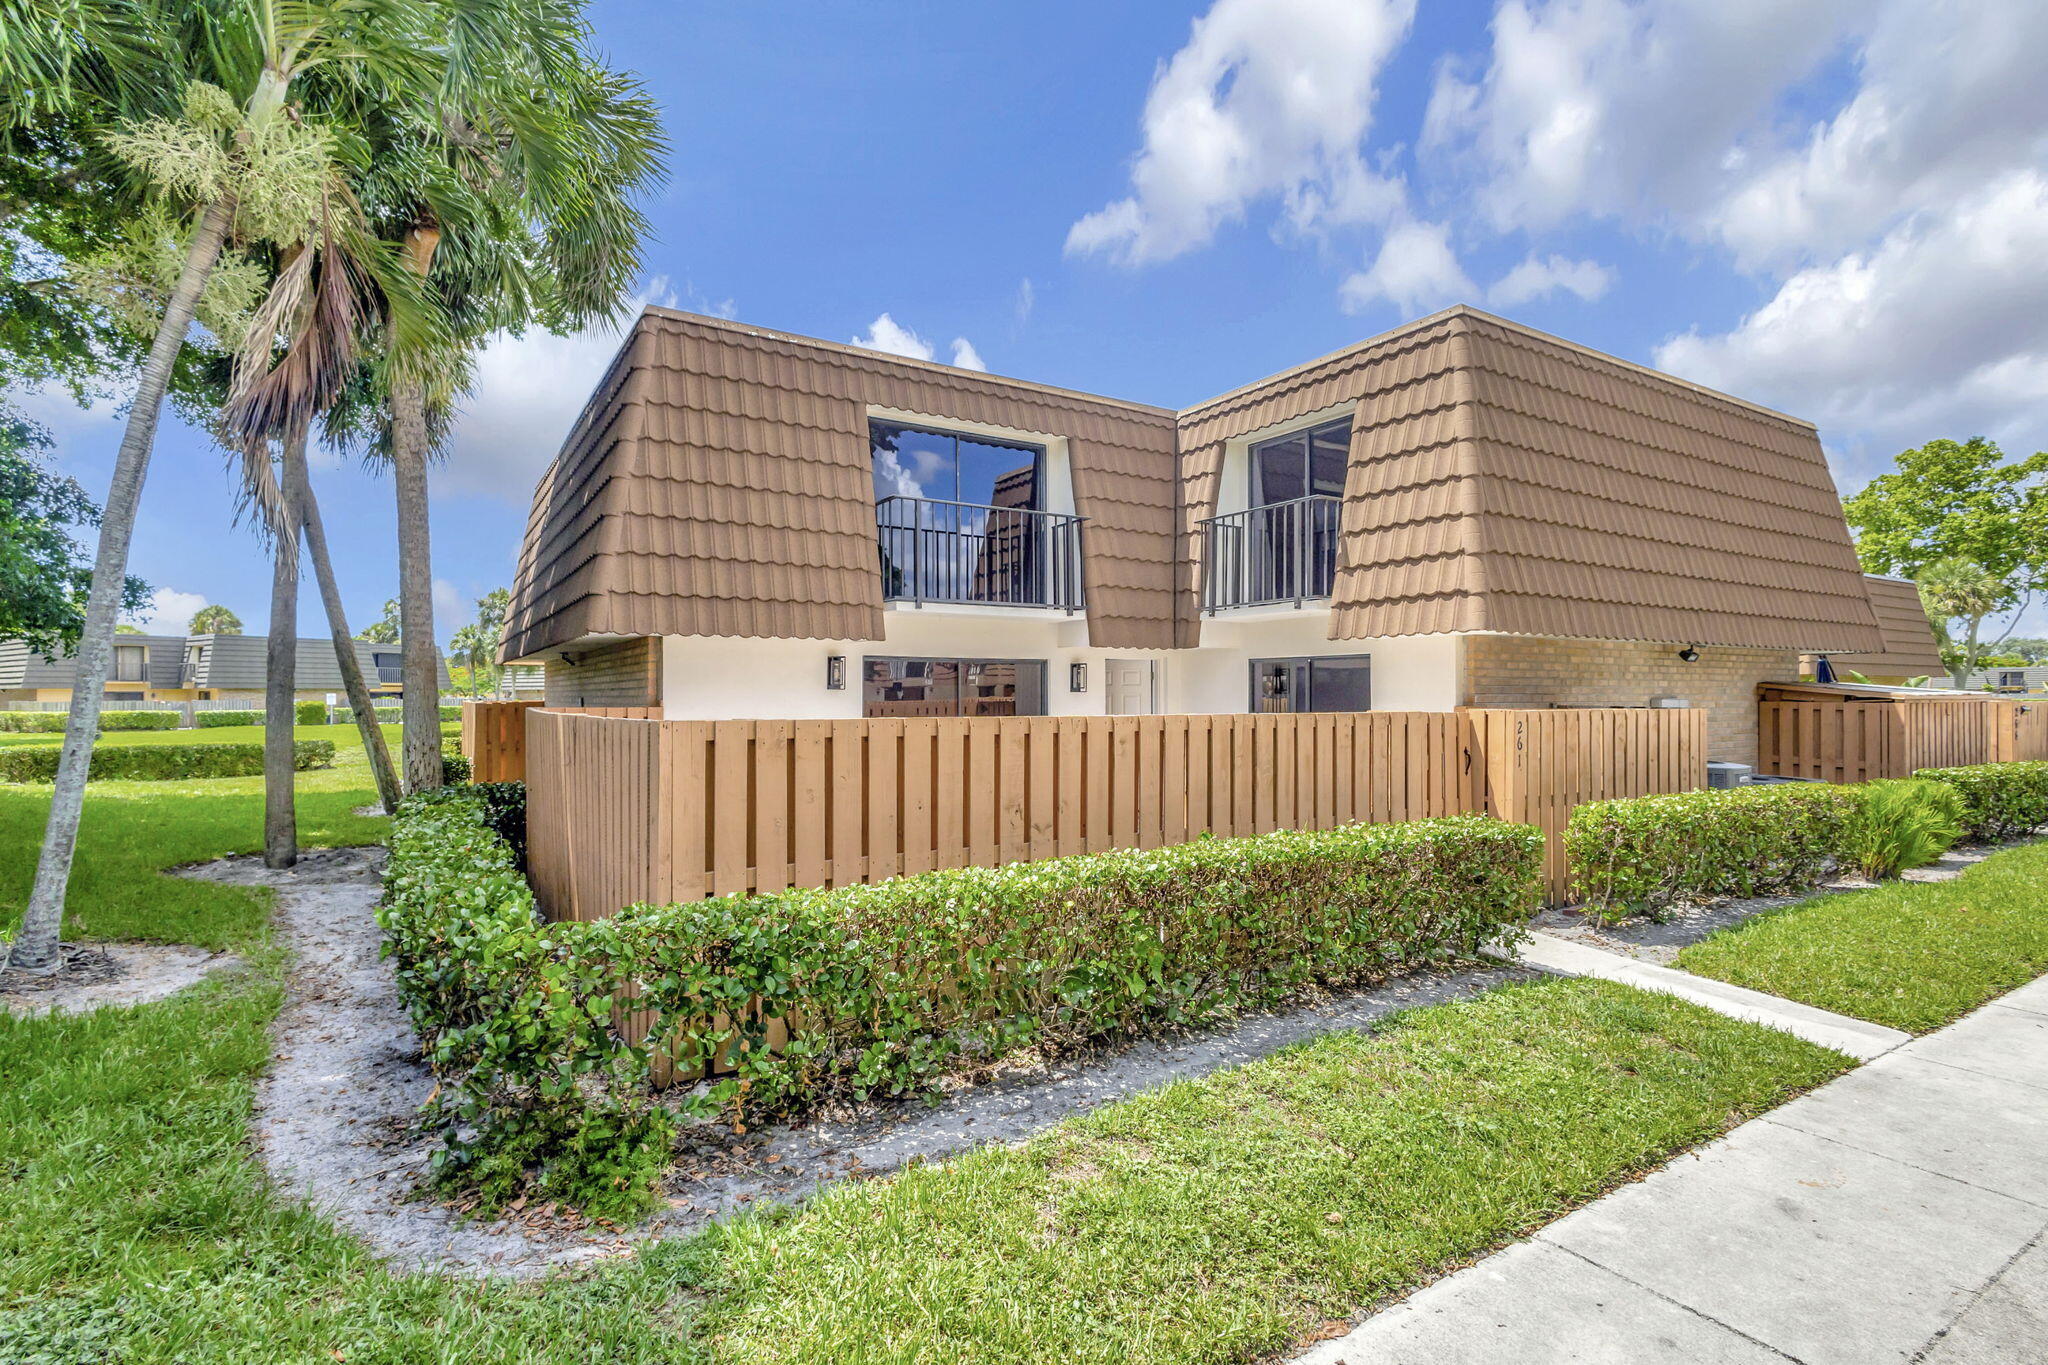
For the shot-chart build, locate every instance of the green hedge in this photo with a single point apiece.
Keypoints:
(52, 722)
(161, 762)
(392, 715)
(310, 713)
(221, 720)
(1643, 853)
(2000, 800)
(895, 983)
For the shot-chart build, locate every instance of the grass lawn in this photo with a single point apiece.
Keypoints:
(1209, 1222)
(1913, 955)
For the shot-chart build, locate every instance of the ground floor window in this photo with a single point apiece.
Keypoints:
(1340, 682)
(953, 687)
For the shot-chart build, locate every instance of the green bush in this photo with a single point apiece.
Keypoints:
(53, 722)
(455, 769)
(160, 762)
(310, 713)
(1902, 824)
(394, 715)
(221, 720)
(2000, 800)
(1643, 853)
(895, 983)
(137, 720)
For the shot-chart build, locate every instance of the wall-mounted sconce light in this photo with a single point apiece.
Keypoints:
(835, 673)
(568, 658)
(1077, 676)
(1689, 654)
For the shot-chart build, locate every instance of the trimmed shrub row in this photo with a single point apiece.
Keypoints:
(392, 715)
(895, 983)
(1641, 854)
(160, 762)
(221, 720)
(52, 722)
(2000, 800)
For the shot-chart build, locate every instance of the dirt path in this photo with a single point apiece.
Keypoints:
(100, 974)
(334, 1114)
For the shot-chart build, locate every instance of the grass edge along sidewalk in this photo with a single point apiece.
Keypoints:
(1913, 955)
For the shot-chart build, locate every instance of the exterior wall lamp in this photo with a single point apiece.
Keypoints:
(835, 673)
(1689, 654)
(1077, 676)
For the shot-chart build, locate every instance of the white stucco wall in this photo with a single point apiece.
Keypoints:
(706, 678)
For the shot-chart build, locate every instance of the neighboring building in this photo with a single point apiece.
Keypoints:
(2015, 681)
(171, 668)
(1910, 650)
(1463, 511)
(522, 682)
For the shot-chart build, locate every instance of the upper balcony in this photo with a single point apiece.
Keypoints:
(978, 554)
(1282, 553)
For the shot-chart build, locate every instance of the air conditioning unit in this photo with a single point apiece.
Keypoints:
(1669, 703)
(1726, 776)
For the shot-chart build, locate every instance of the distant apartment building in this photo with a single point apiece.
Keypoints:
(175, 668)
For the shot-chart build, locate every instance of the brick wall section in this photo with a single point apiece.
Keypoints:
(624, 674)
(1523, 670)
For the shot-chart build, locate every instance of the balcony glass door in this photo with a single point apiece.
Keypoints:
(1293, 547)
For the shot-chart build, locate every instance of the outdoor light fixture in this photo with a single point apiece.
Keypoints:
(1077, 676)
(835, 673)
(1689, 654)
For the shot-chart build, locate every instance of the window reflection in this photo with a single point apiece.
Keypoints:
(953, 687)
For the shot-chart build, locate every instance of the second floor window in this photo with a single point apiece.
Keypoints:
(131, 663)
(1301, 464)
(948, 466)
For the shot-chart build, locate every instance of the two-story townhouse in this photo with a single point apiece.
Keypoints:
(745, 523)
(179, 668)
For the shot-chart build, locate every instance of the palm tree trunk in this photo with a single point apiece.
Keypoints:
(298, 488)
(280, 683)
(35, 945)
(421, 711)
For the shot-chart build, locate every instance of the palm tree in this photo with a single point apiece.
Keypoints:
(214, 620)
(240, 157)
(520, 214)
(1961, 590)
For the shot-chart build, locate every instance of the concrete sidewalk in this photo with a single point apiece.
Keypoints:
(1896, 1214)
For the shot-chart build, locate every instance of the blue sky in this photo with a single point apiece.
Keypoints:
(1836, 207)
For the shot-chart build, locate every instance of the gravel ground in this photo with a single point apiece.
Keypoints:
(334, 1114)
(102, 974)
(1659, 941)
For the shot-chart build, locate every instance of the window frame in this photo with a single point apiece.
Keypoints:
(960, 683)
(1307, 663)
(1307, 434)
(1037, 452)
(142, 676)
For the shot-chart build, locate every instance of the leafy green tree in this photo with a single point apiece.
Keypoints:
(45, 573)
(1983, 520)
(383, 630)
(214, 620)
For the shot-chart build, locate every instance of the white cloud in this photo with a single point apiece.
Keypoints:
(1538, 278)
(1415, 271)
(169, 612)
(1268, 99)
(1027, 300)
(1941, 329)
(528, 393)
(1613, 108)
(891, 337)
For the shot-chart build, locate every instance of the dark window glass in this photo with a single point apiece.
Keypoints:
(914, 462)
(1339, 683)
(1301, 463)
(953, 687)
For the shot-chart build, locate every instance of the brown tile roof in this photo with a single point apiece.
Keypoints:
(1500, 479)
(1504, 480)
(1909, 646)
(718, 483)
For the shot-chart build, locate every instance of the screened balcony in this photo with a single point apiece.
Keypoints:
(934, 550)
(1279, 554)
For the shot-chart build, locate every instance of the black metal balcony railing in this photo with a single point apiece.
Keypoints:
(937, 551)
(1263, 556)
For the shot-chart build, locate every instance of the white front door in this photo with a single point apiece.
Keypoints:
(1130, 686)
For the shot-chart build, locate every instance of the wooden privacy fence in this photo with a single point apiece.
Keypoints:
(620, 811)
(494, 734)
(1806, 732)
